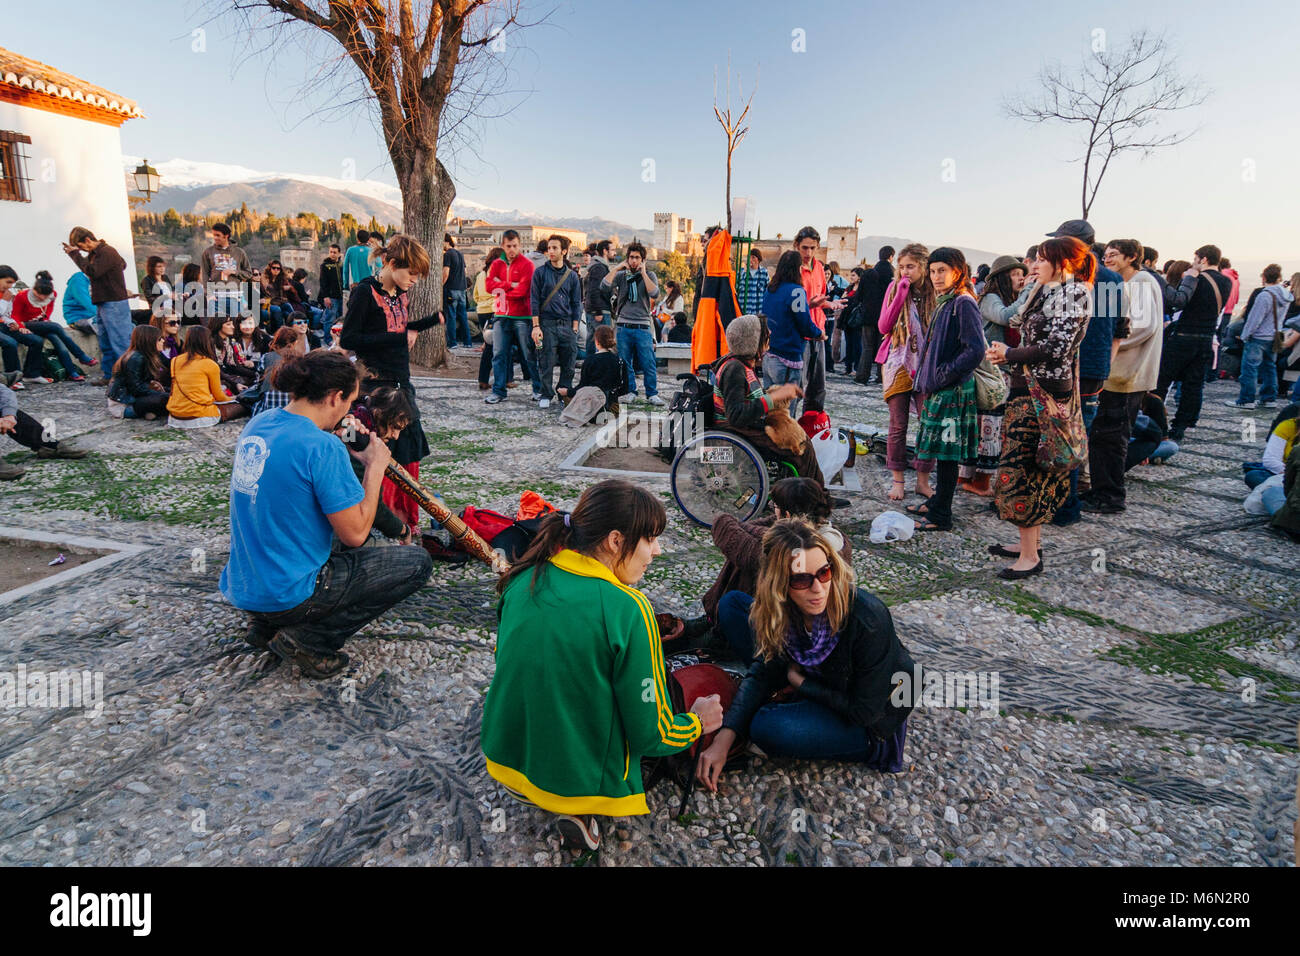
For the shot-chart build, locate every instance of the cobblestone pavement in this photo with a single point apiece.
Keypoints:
(1148, 681)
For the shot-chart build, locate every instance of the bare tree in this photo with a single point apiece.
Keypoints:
(415, 57)
(1119, 97)
(732, 127)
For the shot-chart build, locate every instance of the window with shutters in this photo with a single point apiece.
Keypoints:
(14, 181)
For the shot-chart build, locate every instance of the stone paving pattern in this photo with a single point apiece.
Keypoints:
(1122, 735)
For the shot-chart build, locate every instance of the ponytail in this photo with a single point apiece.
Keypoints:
(613, 505)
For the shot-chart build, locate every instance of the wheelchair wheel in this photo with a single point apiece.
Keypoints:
(718, 473)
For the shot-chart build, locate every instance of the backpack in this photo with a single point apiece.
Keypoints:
(485, 522)
(691, 676)
(694, 398)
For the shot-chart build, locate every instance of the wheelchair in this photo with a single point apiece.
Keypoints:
(718, 472)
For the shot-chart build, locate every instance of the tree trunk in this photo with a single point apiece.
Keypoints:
(426, 196)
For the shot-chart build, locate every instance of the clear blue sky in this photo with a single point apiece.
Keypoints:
(861, 122)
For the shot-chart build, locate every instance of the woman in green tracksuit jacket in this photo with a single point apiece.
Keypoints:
(580, 695)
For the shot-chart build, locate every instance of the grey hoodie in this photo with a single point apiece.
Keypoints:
(1259, 322)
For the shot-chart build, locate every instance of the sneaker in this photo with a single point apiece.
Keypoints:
(494, 399)
(629, 397)
(536, 397)
(1093, 506)
(61, 450)
(90, 363)
(9, 472)
(1233, 403)
(656, 401)
(1176, 434)
(1264, 404)
(578, 833)
(18, 387)
(543, 403)
(77, 378)
(41, 380)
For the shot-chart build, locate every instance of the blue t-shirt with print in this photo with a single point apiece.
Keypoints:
(288, 475)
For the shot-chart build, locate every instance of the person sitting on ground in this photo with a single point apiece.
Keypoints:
(1150, 443)
(252, 341)
(384, 413)
(32, 321)
(237, 371)
(680, 331)
(292, 491)
(1281, 439)
(605, 371)
(198, 400)
(741, 542)
(741, 406)
(168, 325)
(580, 695)
(139, 377)
(808, 628)
(27, 431)
(288, 342)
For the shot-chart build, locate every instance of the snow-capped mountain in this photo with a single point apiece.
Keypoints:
(193, 186)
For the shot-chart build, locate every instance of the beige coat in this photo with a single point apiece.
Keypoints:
(1136, 367)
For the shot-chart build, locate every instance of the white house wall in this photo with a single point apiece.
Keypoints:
(75, 167)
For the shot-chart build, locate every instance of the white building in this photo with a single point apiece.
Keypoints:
(671, 229)
(60, 167)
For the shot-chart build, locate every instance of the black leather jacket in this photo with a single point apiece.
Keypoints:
(856, 681)
(132, 380)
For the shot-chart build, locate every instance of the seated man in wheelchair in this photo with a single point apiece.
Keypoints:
(740, 405)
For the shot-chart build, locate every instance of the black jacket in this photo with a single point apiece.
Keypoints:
(132, 379)
(596, 299)
(1197, 301)
(857, 678)
(331, 279)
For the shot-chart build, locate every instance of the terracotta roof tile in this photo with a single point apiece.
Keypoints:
(26, 73)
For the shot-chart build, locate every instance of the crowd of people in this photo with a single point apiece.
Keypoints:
(1036, 382)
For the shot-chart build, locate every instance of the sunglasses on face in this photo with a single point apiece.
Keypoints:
(802, 582)
(171, 325)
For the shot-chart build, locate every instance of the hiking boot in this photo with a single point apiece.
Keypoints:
(312, 663)
(10, 472)
(60, 450)
(578, 833)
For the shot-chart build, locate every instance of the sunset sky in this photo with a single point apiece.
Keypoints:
(861, 122)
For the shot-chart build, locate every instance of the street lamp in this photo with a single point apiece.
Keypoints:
(146, 179)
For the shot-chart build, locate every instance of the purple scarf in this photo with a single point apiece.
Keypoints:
(810, 651)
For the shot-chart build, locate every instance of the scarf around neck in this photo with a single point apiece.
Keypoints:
(810, 650)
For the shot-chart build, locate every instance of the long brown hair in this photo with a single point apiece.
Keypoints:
(773, 611)
(144, 340)
(612, 505)
(198, 344)
(922, 293)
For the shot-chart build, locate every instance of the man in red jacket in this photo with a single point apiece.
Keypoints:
(510, 282)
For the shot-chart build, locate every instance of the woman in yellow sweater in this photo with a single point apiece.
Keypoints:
(198, 398)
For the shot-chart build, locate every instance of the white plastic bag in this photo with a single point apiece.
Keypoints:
(891, 526)
(1254, 503)
(832, 448)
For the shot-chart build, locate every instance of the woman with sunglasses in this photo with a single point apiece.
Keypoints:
(828, 650)
(169, 326)
(279, 297)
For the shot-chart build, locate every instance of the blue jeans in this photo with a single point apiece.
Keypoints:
(1257, 365)
(114, 327)
(64, 347)
(1164, 451)
(594, 319)
(634, 340)
(1254, 473)
(733, 623)
(807, 730)
(506, 329)
(9, 349)
(777, 373)
(1273, 499)
(457, 320)
(1070, 512)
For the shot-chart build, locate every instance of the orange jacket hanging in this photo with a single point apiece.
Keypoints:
(718, 304)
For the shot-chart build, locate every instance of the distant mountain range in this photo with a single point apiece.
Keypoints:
(869, 247)
(197, 187)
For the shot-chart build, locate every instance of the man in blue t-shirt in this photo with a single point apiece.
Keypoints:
(292, 490)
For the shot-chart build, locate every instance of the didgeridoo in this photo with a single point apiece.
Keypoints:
(468, 539)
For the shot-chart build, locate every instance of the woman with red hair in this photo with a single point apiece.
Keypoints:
(1051, 327)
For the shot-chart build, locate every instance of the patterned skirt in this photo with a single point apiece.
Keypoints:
(1026, 495)
(990, 449)
(949, 424)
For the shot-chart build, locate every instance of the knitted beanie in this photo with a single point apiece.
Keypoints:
(742, 336)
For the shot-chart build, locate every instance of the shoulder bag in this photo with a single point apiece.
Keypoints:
(1062, 440)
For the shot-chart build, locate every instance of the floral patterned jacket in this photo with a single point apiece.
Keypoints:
(1051, 328)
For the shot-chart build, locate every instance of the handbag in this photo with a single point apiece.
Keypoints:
(991, 387)
(1279, 337)
(1062, 440)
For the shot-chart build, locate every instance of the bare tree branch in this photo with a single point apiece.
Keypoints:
(733, 128)
(1118, 97)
